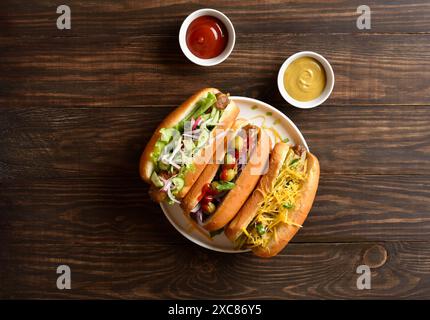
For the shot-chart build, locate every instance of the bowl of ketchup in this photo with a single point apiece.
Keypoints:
(207, 37)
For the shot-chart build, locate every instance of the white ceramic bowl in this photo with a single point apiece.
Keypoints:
(327, 90)
(230, 30)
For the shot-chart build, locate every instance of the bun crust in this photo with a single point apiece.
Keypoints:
(192, 197)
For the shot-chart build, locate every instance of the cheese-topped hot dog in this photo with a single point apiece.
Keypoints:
(280, 203)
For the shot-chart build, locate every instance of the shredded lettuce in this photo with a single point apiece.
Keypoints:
(201, 107)
(203, 138)
(155, 154)
(167, 134)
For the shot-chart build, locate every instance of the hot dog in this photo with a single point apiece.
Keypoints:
(222, 188)
(184, 143)
(280, 203)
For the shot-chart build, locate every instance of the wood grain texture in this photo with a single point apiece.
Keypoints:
(78, 106)
(105, 210)
(94, 142)
(37, 18)
(122, 71)
(145, 271)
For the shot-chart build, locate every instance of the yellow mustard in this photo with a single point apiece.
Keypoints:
(305, 79)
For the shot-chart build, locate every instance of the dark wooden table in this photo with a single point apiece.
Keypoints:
(77, 107)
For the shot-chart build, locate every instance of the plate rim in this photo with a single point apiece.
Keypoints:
(203, 244)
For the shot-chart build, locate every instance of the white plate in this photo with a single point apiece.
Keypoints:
(258, 113)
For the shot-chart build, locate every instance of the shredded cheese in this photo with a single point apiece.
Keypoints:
(277, 203)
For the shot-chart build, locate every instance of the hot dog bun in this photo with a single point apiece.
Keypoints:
(226, 120)
(284, 232)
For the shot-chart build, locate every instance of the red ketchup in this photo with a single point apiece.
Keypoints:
(207, 37)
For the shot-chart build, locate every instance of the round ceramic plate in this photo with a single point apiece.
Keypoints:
(279, 127)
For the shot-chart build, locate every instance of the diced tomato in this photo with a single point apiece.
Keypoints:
(206, 188)
(207, 191)
(223, 175)
(207, 198)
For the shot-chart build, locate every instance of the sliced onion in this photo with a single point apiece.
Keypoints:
(197, 135)
(193, 123)
(164, 159)
(188, 135)
(194, 136)
(198, 216)
(167, 185)
(164, 181)
(171, 197)
(177, 148)
(196, 123)
(196, 208)
(175, 165)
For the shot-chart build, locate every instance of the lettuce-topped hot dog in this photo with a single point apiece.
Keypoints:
(279, 205)
(184, 143)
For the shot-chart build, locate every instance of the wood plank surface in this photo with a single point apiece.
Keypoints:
(348, 208)
(311, 271)
(131, 17)
(151, 70)
(92, 142)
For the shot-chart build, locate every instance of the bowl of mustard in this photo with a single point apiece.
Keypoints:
(305, 79)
